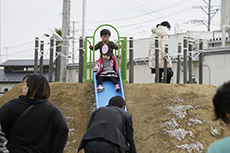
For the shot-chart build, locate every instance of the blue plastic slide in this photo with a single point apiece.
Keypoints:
(102, 98)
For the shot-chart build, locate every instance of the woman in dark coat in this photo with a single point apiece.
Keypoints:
(31, 124)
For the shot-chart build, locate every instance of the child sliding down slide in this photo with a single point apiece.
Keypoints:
(106, 68)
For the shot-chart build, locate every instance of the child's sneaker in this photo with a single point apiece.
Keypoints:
(117, 87)
(100, 88)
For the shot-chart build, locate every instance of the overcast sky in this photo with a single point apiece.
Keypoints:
(23, 20)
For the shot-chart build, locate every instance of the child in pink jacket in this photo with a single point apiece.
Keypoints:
(106, 68)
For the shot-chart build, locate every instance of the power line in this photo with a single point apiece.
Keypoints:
(141, 15)
(150, 20)
(16, 53)
(209, 12)
(20, 45)
(138, 4)
(131, 4)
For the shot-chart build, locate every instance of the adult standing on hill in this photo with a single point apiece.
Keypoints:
(109, 130)
(221, 102)
(162, 32)
(31, 124)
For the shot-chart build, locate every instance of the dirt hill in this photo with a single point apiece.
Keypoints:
(167, 118)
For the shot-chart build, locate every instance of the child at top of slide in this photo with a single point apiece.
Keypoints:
(105, 35)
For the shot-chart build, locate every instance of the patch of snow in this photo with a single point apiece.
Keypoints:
(214, 131)
(192, 147)
(194, 121)
(171, 123)
(180, 111)
(69, 117)
(71, 129)
(180, 133)
(177, 100)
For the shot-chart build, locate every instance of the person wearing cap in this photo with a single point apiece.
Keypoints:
(110, 130)
(106, 68)
(162, 32)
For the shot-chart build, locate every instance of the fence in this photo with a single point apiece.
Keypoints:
(184, 59)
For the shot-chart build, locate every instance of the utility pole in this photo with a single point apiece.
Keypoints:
(83, 18)
(225, 14)
(65, 42)
(0, 29)
(73, 43)
(210, 13)
(81, 44)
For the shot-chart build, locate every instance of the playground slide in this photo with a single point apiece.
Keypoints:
(102, 98)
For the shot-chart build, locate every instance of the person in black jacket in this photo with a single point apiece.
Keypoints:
(31, 124)
(110, 130)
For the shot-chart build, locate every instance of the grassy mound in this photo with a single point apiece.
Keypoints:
(166, 118)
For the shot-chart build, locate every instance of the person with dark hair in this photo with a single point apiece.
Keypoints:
(105, 32)
(31, 123)
(166, 24)
(221, 102)
(117, 101)
(106, 69)
(110, 130)
(105, 35)
(5, 90)
(162, 32)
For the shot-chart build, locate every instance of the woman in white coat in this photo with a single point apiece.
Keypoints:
(162, 32)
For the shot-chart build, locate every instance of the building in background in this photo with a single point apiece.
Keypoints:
(12, 72)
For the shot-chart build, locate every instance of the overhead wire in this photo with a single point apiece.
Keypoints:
(141, 4)
(141, 15)
(150, 20)
(17, 46)
(134, 17)
(19, 52)
(133, 5)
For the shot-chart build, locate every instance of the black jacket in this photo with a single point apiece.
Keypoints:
(113, 124)
(43, 129)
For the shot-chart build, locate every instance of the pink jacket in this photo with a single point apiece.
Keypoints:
(99, 66)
